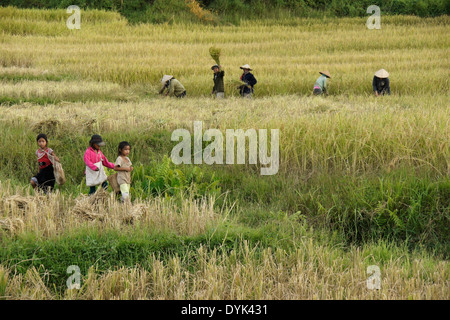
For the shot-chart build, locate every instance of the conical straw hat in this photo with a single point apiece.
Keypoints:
(325, 73)
(382, 74)
(246, 66)
(165, 78)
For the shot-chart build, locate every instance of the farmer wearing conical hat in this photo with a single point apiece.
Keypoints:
(219, 87)
(246, 90)
(173, 86)
(380, 83)
(320, 87)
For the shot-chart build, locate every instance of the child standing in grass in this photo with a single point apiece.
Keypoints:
(124, 168)
(45, 178)
(95, 160)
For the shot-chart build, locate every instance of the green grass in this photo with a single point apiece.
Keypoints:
(128, 248)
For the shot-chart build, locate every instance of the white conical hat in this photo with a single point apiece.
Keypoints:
(246, 66)
(325, 73)
(382, 74)
(165, 78)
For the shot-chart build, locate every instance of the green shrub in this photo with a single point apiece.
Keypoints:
(160, 11)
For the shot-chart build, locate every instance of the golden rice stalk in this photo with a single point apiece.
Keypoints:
(11, 224)
(215, 54)
(49, 126)
(22, 202)
(91, 207)
(18, 201)
(134, 213)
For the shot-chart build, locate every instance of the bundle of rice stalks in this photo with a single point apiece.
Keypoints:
(18, 201)
(83, 209)
(91, 207)
(136, 211)
(11, 224)
(48, 126)
(215, 54)
(234, 82)
(99, 198)
(23, 202)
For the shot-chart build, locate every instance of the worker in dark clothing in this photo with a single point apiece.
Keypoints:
(380, 83)
(246, 90)
(219, 87)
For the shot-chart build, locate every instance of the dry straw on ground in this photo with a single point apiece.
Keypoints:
(48, 216)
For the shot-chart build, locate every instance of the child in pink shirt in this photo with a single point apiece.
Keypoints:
(94, 156)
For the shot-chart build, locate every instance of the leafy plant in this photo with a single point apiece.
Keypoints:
(168, 180)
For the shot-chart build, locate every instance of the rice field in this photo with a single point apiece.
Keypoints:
(362, 181)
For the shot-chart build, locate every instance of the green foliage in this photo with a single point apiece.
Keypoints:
(160, 11)
(165, 178)
(3, 283)
(399, 206)
(110, 250)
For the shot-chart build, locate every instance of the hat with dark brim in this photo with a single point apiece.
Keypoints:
(215, 66)
(325, 73)
(97, 139)
(382, 74)
(246, 66)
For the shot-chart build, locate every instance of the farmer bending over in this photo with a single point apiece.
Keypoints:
(380, 83)
(320, 87)
(246, 90)
(173, 86)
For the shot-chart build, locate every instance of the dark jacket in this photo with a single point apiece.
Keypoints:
(250, 80)
(381, 85)
(218, 82)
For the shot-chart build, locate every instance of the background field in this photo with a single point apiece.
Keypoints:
(362, 180)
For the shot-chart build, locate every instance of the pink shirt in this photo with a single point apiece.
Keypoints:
(92, 156)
